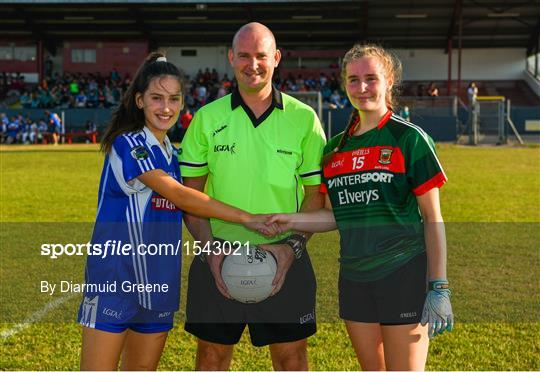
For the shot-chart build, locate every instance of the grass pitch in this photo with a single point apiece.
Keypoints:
(491, 205)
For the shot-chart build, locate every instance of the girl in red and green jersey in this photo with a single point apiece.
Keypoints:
(381, 180)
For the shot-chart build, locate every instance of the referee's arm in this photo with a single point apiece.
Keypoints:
(313, 200)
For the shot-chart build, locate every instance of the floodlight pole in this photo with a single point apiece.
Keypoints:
(449, 83)
(39, 61)
(319, 103)
(329, 124)
(460, 34)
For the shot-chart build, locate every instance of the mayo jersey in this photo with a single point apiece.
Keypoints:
(134, 216)
(372, 183)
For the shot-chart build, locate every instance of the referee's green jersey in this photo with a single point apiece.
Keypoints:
(372, 184)
(259, 165)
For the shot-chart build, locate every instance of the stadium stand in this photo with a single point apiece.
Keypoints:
(63, 64)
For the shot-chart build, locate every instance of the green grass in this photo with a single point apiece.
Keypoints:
(491, 205)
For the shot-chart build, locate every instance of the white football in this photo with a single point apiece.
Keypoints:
(249, 273)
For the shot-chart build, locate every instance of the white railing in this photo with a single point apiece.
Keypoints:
(532, 82)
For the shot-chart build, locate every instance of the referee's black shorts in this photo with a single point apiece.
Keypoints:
(393, 300)
(287, 316)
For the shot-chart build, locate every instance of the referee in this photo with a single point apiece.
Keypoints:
(257, 149)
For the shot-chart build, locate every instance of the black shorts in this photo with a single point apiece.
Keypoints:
(287, 316)
(396, 299)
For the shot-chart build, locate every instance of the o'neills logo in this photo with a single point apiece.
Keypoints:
(159, 203)
(218, 130)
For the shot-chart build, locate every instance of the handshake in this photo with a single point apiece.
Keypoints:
(271, 225)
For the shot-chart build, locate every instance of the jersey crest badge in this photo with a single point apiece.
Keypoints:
(139, 153)
(385, 155)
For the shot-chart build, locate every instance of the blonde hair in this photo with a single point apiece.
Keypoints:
(392, 72)
(390, 63)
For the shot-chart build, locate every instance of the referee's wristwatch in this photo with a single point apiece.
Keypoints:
(297, 242)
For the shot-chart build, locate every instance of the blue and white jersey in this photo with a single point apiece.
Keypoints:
(42, 127)
(131, 213)
(55, 119)
(13, 128)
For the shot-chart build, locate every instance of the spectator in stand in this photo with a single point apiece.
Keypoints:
(13, 131)
(222, 91)
(323, 79)
(326, 93)
(215, 76)
(92, 85)
(33, 131)
(34, 103)
(226, 82)
(185, 120)
(207, 75)
(310, 83)
(46, 99)
(404, 113)
(433, 91)
(472, 93)
(26, 100)
(81, 99)
(116, 93)
(42, 129)
(334, 82)
(93, 98)
(17, 83)
(74, 87)
(199, 76)
(90, 127)
(190, 101)
(65, 98)
(125, 83)
(104, 91)
(27, 135)
(300, 81)
(115, 76)
(201, 95)
(212, 93)
(4, 122)
(101, 98)
(336, 101)
(109, 98)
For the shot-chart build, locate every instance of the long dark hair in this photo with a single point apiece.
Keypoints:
(392, 71)
(128, 117)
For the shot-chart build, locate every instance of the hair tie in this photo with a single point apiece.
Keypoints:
(161, 59)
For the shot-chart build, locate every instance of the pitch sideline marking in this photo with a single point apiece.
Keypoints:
(35, 316)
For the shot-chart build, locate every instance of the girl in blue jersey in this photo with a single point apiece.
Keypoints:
(133, 284)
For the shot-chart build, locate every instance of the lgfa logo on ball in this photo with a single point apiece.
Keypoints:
(249, 274)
